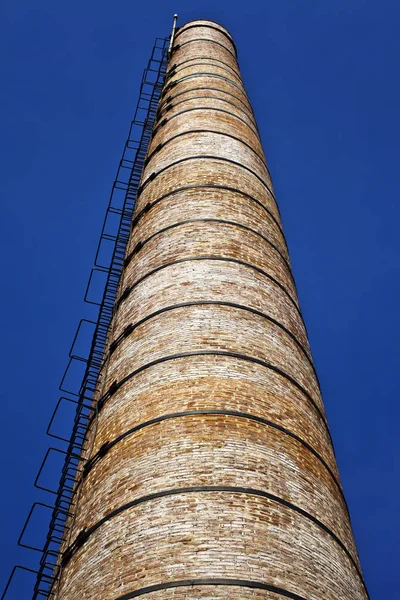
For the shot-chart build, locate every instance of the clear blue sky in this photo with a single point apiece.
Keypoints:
(323, 77)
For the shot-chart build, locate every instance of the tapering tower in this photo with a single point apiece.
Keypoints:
(211, 472)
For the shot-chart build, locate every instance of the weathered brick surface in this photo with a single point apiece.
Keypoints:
(217, 92)
(205, 33)
(199, 239)
(217, 534)
(207, 171)
(236, 283)
(242, 453)
(201, 47)
(194, 65)
(200, 383)
(206, 143)
(204, 99)
(209, 203)
(212, 328)
(207, 66)
(205, 79)
(209, 120)
(216, 326)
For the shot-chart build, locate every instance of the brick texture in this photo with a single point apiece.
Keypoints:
(211, 463)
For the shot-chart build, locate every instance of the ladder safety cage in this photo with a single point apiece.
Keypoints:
(115, 235)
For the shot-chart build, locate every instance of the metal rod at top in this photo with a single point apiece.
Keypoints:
(171, 41)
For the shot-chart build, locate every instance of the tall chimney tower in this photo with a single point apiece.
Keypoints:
(211, 471)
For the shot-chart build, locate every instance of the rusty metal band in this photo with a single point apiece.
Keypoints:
(84, 534)
(116, 385)
(212, 186)
(178, 261)
(225, 33)
(204, 108)
(175, 66)
(173, 84)
(215, 89)
(105, 448)
(217, 581)
(155, 174)
(140, 244)
(131, 328)
(209, 40)
(175, 70)
(173, 105)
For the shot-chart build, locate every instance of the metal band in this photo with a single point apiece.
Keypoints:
(86, 533)
(153, 175)
(203, 108)
(194, 413)
(170, 98)
(209, 40)
(176, 70)
(118, 384)
(220, 581)
(166, 109)
(153, 203)
(210, 220)
(225, 33)
(206, 57)
(173, 84)
(128, 289)
(130, 328)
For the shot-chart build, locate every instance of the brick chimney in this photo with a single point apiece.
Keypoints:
(212, 472)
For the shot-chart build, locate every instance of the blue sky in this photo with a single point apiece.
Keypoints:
(324, 81)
